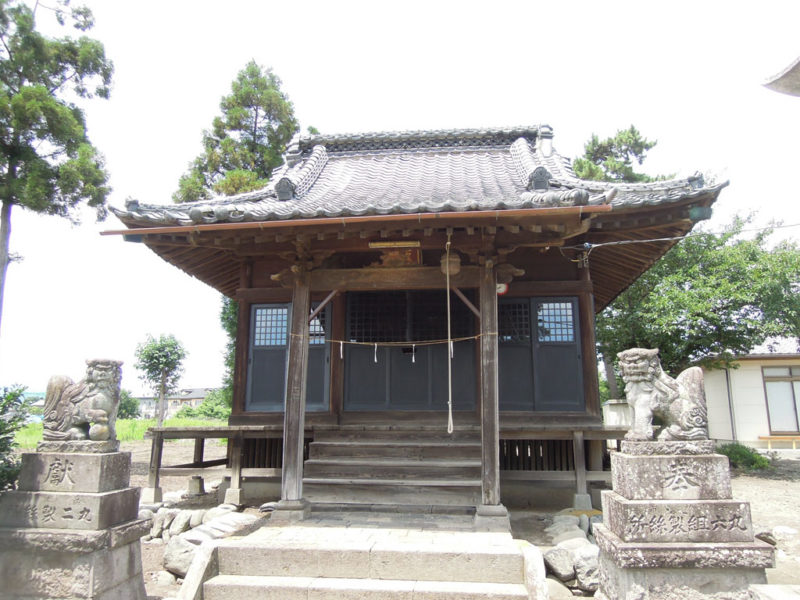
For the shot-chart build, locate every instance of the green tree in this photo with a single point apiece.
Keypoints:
(128, 406)
(612, 159)
(13, 411)
(161, 362)
(47, 163)
(228, 317)
(216, 405)
(246, 142)
(711, 297)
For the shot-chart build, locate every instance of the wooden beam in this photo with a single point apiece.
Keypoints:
(295, 398)
(322, 305)
(380, 278)
(466, 301)
(490, 431)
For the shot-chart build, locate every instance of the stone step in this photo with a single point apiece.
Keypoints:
(363, 553)
(230, 587)
(392, 468)
(417, 449)
(456, 492)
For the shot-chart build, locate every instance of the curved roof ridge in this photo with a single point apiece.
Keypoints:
(388, 140)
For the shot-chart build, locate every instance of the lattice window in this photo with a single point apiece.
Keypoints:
(377, 317)
(406, 317)
(271, 326)
(514, 322)
(316, 329)
(555, 322)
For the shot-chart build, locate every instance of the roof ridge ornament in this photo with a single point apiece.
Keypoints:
(300, 177)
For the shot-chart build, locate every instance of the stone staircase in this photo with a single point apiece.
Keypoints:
(361, 563)
(387, 467)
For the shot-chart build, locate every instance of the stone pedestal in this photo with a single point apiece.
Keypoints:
(71, 530)
(671, 529)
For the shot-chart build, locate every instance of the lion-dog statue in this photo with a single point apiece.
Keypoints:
(87, 409)
(680, 403)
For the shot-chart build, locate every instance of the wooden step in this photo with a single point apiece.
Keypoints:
(391, 468)
(389, 435)
(241, 587)
(418, 449)
(456, 492)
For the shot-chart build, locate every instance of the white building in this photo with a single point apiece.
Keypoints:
(758, 399)
(192, 397)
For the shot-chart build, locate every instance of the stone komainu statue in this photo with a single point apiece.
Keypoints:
(87, 409)
(680, 403)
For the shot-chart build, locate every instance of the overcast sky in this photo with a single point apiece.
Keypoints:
(687, 74)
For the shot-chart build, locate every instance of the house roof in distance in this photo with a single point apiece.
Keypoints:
(396, 173)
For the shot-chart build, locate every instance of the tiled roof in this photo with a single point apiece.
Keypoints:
(414, 172)
(787, 81)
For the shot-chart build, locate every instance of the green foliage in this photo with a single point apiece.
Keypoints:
(711, 297)
(228, 317)
(161, 362)
(246, 142)
(13, 412)
(47, 162)
(216, 405)
(613, 159)
(743, 457)
(28, 436)
(128, 406)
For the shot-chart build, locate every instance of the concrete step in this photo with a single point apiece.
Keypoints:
(417, 449)
(455, 492)
(238, 587)
(363, 553)
(392, 468)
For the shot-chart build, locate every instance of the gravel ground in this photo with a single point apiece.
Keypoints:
(774, 497)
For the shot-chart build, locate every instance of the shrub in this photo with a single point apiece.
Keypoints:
(215, 405)
(13, 412)
(743, 457)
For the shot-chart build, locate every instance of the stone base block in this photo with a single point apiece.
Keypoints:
(676, 477)
(71, 472)
(667, 583)
(290, 510)
(686, 448)
(234, 496)
(755, 555)
(492, 517)
(57, 510)
(677, 520)
(73, 542)
(103, 574)
(79, 446)
(152, 495)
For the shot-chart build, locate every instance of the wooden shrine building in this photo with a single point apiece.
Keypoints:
(340, 268)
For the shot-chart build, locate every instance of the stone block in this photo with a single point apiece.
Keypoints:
(678, 477)
(656, 448)
(55, 510)
(79, 446)
(392, 560)
(702, 555)
(670, 583)
(560, 563)
(677, 520)
(70, 472)
(62, 575)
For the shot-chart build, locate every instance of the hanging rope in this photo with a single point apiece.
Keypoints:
(449, 344)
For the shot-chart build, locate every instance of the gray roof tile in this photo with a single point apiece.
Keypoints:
(413, 172)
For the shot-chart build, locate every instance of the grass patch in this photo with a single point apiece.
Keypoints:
(744, 457)
(128, 430)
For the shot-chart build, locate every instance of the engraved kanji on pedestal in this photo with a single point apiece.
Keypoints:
(671, 528)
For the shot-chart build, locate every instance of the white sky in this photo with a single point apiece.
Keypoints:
(687, 74)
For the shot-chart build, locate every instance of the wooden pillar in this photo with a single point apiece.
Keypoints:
(591, 383)
(295, 401)
(582, 499)
(242, 342)
(490, 422)
(234, 494)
